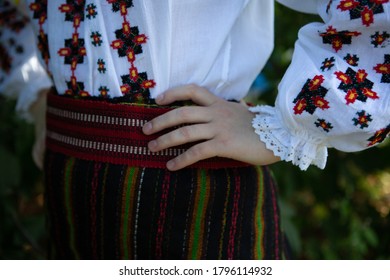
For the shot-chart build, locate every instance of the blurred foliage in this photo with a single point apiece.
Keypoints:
(22, 228)
(341, 212)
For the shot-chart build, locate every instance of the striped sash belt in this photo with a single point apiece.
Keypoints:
(108, 132)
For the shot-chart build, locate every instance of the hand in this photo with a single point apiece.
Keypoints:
(225, 129)
(38, 111)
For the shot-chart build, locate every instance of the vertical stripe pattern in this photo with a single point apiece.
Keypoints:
(113, 211)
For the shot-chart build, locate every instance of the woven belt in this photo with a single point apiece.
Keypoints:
(108, 132)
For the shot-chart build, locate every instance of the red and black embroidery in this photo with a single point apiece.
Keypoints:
(356, 85)
(338, 38)
(39, 8)
(101, 66)
(74, 50)
(380, 39)
(363, 9)
(96, 38)
(128, 44)
(352, 60)
(379, 136)
(328, 64)
(91, 11)
(311, 96)
(362, 119)
(384, 69)
(326, 126)
(103, 90)
(74, 11)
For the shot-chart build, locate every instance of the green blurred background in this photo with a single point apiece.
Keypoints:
(341, 212)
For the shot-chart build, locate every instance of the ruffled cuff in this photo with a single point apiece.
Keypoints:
(290, 145)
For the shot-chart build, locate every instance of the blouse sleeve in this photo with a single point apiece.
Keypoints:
(21, 74)
(336, 92)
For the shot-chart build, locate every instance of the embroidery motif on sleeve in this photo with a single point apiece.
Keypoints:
(326, 126)
(384, 69)
(338, 38)
(311, 96)
(352, 60)
(103, 91)
(74, 50)
(356, 85)
(380, 39)
(363, 9)
(128, 44)
(39, 7)
(91, 11)
(328, 64)
(362, 119)
(101, 66)
(379, 136)
(96, 38)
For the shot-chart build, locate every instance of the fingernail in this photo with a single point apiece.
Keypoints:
(170, 165)
(152, 144)
(148, 127)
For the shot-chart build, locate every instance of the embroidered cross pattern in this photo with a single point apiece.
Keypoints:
(101, 66)
(328, 64)
(362, 119)
(384, 69)
(74, 50)
(338, 38)
(379, 39)
(39, 8)
(91, 11)
(311, 96)
(103, 91)
(363, 9)
(379, 136)
(356, 85)
(74, 11)
(326, 126)
(128, 44)
(96, 38)
(352, 60)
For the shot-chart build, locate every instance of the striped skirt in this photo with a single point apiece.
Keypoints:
(99, 209)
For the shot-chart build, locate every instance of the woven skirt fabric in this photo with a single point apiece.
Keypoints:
(109, 197)
(109, 211)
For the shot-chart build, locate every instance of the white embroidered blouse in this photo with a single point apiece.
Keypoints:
(336, 93)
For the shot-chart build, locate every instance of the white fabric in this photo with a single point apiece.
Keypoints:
(27, 76)
(223, 45)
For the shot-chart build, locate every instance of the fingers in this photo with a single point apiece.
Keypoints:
(194, 154)
(183, 115)
(180, 136)
(197, 94)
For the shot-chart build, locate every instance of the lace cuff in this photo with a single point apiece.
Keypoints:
(296, 146)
